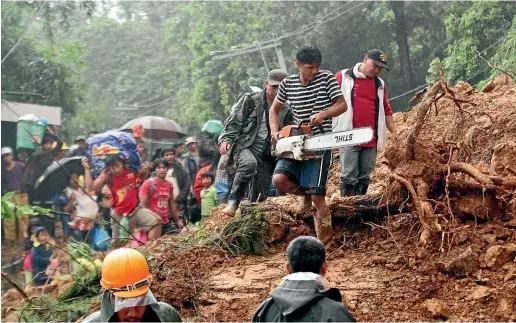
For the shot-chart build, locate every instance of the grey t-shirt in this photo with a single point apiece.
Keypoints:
(261, 145)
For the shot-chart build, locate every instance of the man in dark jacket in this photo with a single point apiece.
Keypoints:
(303, 295)
(80, 150)
(39, 162)
(246, 138)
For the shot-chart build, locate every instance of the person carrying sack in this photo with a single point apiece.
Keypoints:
(124, 185)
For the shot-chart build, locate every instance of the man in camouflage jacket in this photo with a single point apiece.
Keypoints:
(246, 139)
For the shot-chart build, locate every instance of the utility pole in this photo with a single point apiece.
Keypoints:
(257, 48)
(281, 59)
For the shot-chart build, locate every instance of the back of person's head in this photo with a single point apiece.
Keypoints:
(167, 150)
(306, 254)
(309, 55)
(160, 161)
(112, 160)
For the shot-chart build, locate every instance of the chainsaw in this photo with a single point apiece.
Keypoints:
(297, 141)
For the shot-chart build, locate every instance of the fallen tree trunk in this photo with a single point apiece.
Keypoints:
(353, 208)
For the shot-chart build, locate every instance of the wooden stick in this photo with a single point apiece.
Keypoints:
(18, 289)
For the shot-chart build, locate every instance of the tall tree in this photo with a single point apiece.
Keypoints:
(398, 7)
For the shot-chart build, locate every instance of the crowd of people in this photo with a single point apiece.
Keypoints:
(173, 189)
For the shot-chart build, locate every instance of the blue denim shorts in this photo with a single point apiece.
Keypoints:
(309, 175)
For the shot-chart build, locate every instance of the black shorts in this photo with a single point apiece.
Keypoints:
(309, 175)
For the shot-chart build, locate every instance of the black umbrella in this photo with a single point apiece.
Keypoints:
(54, 179)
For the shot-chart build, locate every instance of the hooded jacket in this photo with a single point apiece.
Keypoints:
(27, 241)
(301, 297)
(156, 312)
(40, 258)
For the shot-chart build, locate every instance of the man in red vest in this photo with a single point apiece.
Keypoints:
(366, 97)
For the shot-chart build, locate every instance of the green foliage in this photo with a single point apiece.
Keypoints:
(434, 72)
(471, 27)
(505, 56)
(9, 206)
(49, 310)
(154, 57)
(244, 235)
(85, 286)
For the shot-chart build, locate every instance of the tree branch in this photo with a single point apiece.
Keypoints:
(4, 276)
(495, 67)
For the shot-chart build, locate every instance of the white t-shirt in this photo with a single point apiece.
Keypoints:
(85, 206)
(173, 181)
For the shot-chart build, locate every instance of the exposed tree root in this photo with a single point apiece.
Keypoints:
(423, 208)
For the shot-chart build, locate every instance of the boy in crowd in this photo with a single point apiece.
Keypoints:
(208, 194)
(157, 194)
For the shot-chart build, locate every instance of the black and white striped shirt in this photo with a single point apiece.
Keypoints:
(308, 100)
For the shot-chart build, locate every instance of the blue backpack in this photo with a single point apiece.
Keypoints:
(113, 143)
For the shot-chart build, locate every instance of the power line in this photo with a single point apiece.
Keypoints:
(324, 21)
(408, 92)
(295, 32)
(171, 98)
(456, 68)
(22, 36)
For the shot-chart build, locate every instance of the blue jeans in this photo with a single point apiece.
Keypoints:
(309, 175)
(66, 228)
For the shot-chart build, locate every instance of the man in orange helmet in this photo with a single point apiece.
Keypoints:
(127, 296)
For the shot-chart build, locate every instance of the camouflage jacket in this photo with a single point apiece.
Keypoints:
(241, 127)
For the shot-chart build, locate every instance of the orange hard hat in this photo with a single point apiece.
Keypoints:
(125, 272)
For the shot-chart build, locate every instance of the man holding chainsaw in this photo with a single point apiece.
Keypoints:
(315, 99)
(366, 97)
(246, 139)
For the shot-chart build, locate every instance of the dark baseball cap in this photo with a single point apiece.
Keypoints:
(276, 76)
(378, 57)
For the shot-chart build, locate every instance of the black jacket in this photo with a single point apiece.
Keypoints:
(301, 297)
(37, 164)
(183, 181)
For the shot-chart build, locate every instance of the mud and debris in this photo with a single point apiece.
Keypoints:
(461, 168)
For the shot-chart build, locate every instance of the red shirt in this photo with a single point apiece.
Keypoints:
(124, 190)
(198, 185)
(159, 201)
(364, 107)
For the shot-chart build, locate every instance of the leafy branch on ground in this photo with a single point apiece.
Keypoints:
(9, 206)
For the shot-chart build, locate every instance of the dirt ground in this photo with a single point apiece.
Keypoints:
(383, 279)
